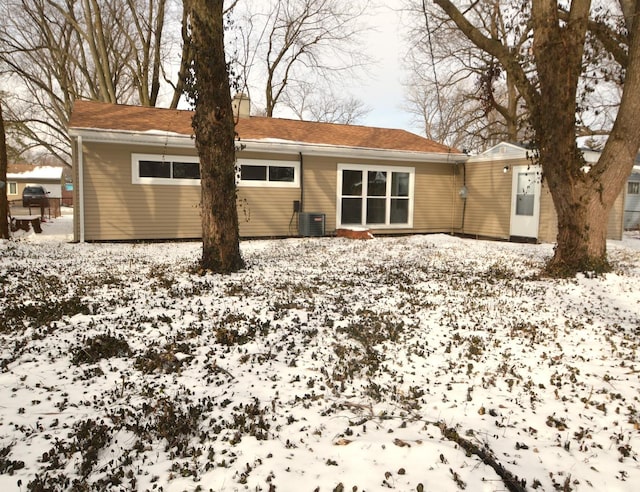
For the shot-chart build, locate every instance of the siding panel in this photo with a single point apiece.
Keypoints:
(488, 208)
(117, 209)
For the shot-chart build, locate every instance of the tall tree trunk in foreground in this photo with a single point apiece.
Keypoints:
(583, 199)
(4, 205)
(215, 138)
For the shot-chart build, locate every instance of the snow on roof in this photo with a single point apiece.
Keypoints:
(36, 173)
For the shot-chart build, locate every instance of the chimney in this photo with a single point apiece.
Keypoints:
(241, 105)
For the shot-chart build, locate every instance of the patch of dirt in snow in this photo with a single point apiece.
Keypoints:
(325, 362)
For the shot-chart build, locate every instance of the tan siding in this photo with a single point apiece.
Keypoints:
(320, 193)
(117, 209)
(267, 211)
(548, 229)
(488, 208)
(435, 193)
(437, 202)
(615, 225)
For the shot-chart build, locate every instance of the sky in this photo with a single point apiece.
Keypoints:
(384, 92)
(381, 88)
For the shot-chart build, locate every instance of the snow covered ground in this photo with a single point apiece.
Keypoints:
(328, 364)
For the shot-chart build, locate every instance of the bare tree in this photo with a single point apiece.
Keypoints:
(548, 76)
(311, 103)
(58, 51)
(213, 125)
(458, 92)
(298, 39)
(455, 120)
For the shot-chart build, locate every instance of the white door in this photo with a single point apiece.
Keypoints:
(525, 201)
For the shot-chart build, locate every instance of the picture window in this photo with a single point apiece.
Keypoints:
(375, 196)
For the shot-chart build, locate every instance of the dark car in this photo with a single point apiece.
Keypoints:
(35, 195)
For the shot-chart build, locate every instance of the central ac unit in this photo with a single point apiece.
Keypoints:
(311, 224)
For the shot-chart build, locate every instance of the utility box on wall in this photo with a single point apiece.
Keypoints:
(311, 224)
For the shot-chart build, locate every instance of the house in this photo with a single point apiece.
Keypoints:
(632, 200)
(507, 197)
(21, 175)
(136, 175)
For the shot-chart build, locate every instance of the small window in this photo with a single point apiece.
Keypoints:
(263, 173)
(186, 170)
(253, 173)
(633, 188)
(281, 173)
(155, 169)
(13, 188)
(165, 169)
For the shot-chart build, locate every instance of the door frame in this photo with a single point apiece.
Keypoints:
(525, 226)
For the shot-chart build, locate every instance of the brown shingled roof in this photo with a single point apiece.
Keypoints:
(97, 115)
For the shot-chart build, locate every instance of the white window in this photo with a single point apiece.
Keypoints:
(633, 188)
(181, 170)
(375, 196)
(281, 174)
(13, 188)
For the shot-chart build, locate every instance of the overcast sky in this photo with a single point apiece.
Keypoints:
(381, 88)
(384, 91)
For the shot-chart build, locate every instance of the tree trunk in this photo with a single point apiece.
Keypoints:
(214, 132)
(582, 230)
(581, 206)
(583, 197)
(4, 205)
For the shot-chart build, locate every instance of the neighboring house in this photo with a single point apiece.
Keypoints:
(507, 197)
(632, 201)
(136, 176)
(21, 175)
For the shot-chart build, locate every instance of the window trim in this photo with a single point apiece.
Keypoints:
(137, 179)
(266, 183)
(633, 187)
(15, 188)
(365, 168)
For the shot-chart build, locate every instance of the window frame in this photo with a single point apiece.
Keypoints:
(141, 180)
(266, 183)
(365, 169)
(15, 188)
(633, 187)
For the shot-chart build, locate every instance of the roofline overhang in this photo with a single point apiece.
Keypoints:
(176, 140)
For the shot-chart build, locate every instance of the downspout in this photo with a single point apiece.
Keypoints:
(80, 185)
(301, 183)
(464, 198)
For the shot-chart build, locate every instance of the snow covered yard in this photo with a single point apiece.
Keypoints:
(328, 364)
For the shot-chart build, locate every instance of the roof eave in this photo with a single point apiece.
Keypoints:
(283, 147)
(99, 135)
(344, 152)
